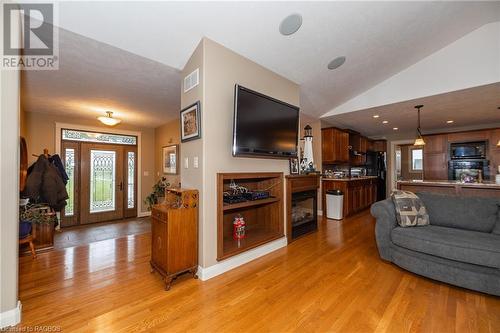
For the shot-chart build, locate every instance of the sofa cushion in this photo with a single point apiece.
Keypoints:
(469, 213)
(410, 211)
(471, 247)
(496, 229)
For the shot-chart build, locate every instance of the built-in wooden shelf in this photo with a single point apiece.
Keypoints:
(264, 218)
(249, 203)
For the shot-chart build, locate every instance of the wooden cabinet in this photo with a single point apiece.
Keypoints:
(334, 145)
(359, 194)
(174, 235)
(379, 145)
(435, 157)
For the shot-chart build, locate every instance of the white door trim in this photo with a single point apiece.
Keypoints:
(11, 317)
(392, 162)
(60, 126)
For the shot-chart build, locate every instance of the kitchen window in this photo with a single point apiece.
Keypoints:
(417, 159)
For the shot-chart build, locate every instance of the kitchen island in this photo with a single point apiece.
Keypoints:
(484, 189)
(359, 193)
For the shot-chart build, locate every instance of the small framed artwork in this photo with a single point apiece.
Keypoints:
(169, 159)
(191, 122)
(294, 166)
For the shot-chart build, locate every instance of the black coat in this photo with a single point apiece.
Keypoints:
(45, 185)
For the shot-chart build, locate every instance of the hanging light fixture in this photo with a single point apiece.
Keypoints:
(419, 141)
(108, 119)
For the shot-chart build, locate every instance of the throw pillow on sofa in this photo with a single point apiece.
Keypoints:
(410, 211)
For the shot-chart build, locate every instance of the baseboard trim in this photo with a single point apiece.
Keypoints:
(11, 317)
(233, 262)
(144, 214)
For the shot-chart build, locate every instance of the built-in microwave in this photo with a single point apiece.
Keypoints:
(468, 150)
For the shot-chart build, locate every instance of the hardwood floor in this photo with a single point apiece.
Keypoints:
(89, 233)
(329, 281)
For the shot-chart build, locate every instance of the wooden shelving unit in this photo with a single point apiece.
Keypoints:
(264, 218)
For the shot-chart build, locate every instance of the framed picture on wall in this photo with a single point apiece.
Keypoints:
(169, 159)
(191, 122)
(294, 166)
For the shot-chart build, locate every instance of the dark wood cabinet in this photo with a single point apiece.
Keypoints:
(435, 157)
(359, 194)
(379, 145)
(435, 144)
(334, 146)
(174, 235)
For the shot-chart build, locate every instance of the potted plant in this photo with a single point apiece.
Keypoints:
(158, 193)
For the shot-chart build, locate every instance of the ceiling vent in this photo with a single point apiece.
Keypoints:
(192, 80)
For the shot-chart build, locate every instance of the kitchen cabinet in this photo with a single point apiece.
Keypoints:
(359, 193)
(379, 145)
(435, 157)
(334, 145)
(435, 144)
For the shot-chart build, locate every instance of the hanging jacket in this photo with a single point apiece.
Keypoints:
(45, 184)
(56, 161)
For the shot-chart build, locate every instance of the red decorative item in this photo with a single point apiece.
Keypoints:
(239, 227)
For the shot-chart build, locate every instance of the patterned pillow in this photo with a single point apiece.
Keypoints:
(410, 211)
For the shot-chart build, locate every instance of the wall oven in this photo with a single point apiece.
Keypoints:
(468, 150)
(468, 168)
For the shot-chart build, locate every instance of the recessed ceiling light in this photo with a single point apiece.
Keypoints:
(290, 24)
(449, 121)
(395, 128)
(376, 116)
(385, 122)
(336, 63)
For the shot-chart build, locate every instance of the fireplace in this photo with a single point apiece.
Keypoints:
(304, 213)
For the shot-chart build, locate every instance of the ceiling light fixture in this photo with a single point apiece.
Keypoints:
(290, 24)
(336, 63)
(395, 128)
(385, 122)
(449, 121)
(376, 116)
(419, 141)
(108, 119)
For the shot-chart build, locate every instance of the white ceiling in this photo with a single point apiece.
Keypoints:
(379, 39)
(469, 109)
(119, 65)
(94, 77)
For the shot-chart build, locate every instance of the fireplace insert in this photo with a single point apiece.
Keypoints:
(304, 212)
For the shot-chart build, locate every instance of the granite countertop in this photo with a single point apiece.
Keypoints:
(485, 183)
(348, 179)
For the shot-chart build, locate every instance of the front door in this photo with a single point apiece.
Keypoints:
(102, 184)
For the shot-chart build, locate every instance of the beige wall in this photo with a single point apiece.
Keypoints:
(191, 177)
(9, 184)
(222, 70)
(40, 134)
(166, 135)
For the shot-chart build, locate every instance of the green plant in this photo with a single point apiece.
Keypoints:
(36, 213)
(158, 191)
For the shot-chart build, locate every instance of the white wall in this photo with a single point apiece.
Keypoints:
(9, 192)
(471, 61)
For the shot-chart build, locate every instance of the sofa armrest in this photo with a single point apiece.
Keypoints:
(385, 214)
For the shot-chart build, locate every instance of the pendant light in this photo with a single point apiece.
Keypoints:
(419, 141)
(108, 119)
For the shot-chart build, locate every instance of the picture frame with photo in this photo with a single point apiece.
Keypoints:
(294, 166)
(169, 158)
(191, 122)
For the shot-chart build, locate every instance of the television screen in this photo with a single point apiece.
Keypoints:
(264, 126)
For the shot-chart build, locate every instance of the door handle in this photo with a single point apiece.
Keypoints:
(120, 186)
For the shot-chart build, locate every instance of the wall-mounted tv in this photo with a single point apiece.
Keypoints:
(264, 126)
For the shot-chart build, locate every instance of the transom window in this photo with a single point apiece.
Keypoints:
(74, 135)
(417, 159)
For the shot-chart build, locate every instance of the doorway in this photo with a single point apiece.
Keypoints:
(408, 162)
(102, 184)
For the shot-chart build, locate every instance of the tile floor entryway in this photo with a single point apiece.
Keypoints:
(81, 235)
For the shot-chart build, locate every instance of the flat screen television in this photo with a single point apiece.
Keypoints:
(264, 126)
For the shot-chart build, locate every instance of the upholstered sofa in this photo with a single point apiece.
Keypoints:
(461, 246)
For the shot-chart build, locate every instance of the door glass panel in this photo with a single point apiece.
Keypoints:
(120, 139)
(69, 154)
(130, 179)
(102, 180)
